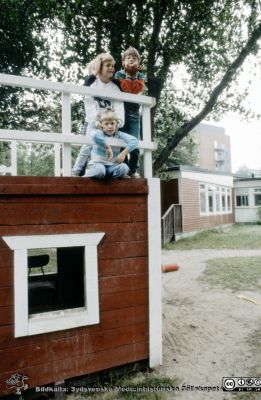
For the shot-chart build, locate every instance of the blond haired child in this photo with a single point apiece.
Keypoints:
(105, 160)
(131, 80)
(101, 70)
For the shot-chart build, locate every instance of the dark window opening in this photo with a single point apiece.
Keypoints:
(257, 199)
(55, 279)
(242, 200)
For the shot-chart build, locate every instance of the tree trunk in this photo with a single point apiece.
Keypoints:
(181, 132)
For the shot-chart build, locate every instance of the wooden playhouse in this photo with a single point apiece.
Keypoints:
(100, 307)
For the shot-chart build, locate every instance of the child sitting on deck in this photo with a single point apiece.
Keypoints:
(105, 161)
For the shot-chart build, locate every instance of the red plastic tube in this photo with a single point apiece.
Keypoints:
(169, 267)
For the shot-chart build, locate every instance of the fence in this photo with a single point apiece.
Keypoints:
(66, 138)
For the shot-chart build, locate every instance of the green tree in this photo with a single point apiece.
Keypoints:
(210, 39)
(207, 39)
(166, 118)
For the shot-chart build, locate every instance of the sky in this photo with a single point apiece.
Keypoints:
(245, 137)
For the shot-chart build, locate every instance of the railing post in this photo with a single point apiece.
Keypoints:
(146, 136)
(163, 231)
(174, 221)
(57, 159)
(66, 130)
(13, 157)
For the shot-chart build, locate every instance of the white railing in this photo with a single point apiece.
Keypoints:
(66, 138)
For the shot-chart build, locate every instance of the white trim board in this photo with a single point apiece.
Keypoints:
(155, 302)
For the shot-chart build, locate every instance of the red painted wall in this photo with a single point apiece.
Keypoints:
(33, 205)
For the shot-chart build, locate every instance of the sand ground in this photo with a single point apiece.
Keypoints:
(208, 332)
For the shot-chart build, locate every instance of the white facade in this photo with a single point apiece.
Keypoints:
(247, 199)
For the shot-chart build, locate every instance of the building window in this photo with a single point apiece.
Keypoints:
(210, 200)
(242, 200)
(257, 199)
(55, 288)
(214, 199)
(223, 199)
(228, 199)
(217, 194)
(203, 198)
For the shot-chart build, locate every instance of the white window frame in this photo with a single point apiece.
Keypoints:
(215, 191)
(218, 201)
(31, 324)
(243, 198)
(228, 203)
(203, 189)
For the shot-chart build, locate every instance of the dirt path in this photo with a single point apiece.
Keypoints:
(206, 331)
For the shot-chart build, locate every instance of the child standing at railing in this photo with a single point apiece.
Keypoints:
(132, 81)
(107, 161)
(101, 70)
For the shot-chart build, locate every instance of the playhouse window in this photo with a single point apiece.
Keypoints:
(56, 295)
(55, 279)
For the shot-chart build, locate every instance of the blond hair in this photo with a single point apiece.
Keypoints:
(95, 66)
(106, 115)
(130, 51)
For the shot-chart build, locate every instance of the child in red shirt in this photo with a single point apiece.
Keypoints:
(131, 80)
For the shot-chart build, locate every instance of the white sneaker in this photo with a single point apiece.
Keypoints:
(125, 177)
(135, 175)
(75, 173)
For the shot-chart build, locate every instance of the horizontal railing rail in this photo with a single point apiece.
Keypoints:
(47, 137)
(66, 138)
(32, 83)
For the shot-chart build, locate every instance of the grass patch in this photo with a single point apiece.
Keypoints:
(236, 273)
(130, 385)
(239, 236)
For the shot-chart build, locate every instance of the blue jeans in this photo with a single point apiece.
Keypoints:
(85, 152)
(132, 127)
(100, 171)
(82, 159)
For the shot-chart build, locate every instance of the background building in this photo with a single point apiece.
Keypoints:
(205, 198)
(214, 151)
(247, 199)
